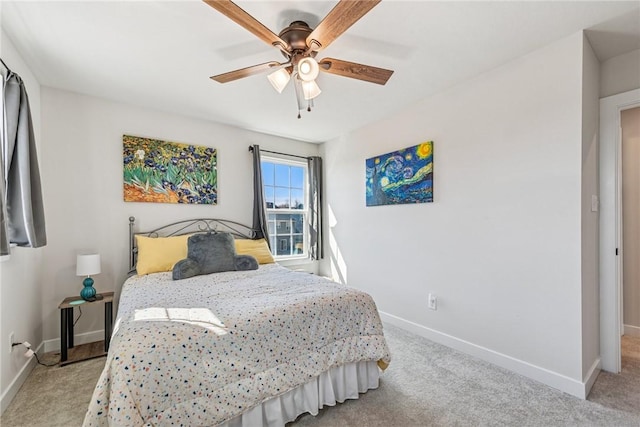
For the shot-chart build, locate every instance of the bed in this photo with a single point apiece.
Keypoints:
(234, 348)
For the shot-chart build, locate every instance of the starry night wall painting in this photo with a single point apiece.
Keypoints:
(400, 177)
(169, 172)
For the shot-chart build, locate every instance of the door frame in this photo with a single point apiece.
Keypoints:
(611, 226)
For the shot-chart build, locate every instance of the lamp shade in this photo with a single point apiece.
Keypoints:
(87, 265)
(308, 69)
(279, 79)
(310, 89)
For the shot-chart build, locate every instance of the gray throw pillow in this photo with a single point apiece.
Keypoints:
(213, 252)
(208, 253)
(246, 262)
(185, 268)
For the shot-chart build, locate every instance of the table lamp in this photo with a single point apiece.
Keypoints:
(88, 265)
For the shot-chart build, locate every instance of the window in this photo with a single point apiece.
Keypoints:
(285, 194)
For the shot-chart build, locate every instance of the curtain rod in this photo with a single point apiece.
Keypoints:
(276, 152)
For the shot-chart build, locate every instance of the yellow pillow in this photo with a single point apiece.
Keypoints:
(157, 254)
(256, 248)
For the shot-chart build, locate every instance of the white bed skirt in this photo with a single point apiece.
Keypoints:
(335, 385)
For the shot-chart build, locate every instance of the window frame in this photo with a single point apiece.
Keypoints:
(305, 212)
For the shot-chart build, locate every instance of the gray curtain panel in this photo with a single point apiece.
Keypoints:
(4, 225)
(316, 250)
(259, 209)
(4, 219)
(22, 199)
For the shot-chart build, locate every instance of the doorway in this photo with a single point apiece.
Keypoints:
(630, 128)
(611, 227)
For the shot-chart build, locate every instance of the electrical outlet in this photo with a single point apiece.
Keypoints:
(433, 302)
(11, 336)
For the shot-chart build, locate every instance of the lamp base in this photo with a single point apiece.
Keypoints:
(88, 293)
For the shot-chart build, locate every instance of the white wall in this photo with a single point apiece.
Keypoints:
(82, 174)
(620, 74)
(21, 272)
(501, 244)
(590, 231)
(630, 121)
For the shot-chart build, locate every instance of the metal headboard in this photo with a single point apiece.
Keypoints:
(189, 226)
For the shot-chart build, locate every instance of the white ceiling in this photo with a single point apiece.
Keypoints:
(160, 54)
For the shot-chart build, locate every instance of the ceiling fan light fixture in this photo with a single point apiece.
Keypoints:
(308, 69)
(310, 90)
(279, 79)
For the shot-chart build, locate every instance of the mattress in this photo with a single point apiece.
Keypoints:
(208, 349)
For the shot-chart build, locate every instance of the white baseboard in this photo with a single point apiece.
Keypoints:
(553, 379)
(633, 331)
(17, 382)
(591, 376)
(44, 347)
(84, 338)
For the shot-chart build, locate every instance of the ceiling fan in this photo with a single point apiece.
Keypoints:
(300, 44)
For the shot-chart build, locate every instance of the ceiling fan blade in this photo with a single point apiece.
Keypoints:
(242, 18)
(355, 71)
(341, 17)
(245, 72)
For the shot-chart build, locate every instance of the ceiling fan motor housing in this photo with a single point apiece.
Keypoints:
(296, 36)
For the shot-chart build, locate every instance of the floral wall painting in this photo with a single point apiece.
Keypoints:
(403, 176)
(169, 172)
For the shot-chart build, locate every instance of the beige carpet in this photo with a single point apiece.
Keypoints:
(622, 391)
(54, 396)
(426, 385)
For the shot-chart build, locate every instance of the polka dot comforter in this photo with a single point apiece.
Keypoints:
(200, 351)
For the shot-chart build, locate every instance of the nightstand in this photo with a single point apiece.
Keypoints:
(89, 351)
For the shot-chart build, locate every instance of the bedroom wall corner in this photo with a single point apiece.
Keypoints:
(620, 74)
(84, 191)
(590, 217)
(333, 265)
(21, 272)
(501, 245)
